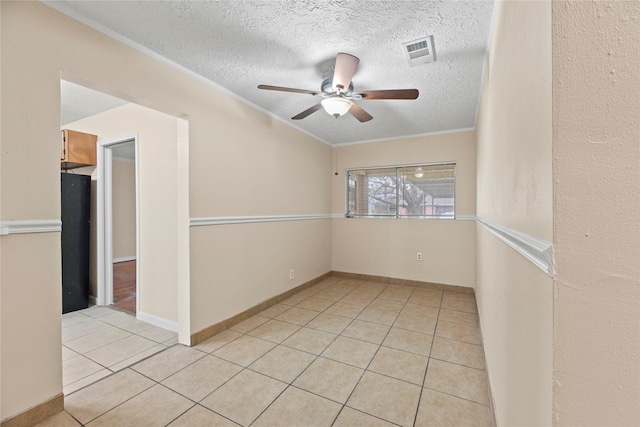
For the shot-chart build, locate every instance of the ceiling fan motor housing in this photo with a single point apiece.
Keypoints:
(327, 87)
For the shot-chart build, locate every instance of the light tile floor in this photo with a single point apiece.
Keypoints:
(99, 341)
(342, 353)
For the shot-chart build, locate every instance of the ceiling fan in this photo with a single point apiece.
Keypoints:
(338, 94)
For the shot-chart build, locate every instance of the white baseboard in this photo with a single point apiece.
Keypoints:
(124, 259)
(158, 321)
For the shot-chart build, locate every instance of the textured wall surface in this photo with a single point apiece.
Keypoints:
(515, 190)
(514, 124)
(596, 146)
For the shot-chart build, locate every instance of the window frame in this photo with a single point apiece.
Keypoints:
(397, 170)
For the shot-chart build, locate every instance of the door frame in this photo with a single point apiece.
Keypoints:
(104, 226)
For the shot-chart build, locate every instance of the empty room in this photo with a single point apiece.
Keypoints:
(340, 213)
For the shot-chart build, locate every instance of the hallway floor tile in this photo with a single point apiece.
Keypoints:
(99, 341)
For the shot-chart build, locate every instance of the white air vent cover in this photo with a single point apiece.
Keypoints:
(420, 51)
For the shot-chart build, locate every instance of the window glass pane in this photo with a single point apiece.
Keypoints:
(427, 191)
(372, 192)
(351, 193)
(411, 191)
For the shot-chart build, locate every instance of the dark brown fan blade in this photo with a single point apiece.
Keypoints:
(288, 89)
(307, 112)
(357, 112)
(346, 66)
(389, 94)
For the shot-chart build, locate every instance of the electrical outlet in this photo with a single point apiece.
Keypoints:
(292, 274)
(419, 256)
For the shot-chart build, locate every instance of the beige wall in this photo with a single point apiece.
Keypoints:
(157, 150)
(267, 169)
(275, 170)
(388, 247)
(514, 121)
(30, 271)
(124, 209)
(245, 264)
(253, 166)
(596, 148)
(514, 189)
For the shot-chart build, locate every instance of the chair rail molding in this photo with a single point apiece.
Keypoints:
(220, 220)
(30, 226)
(539, 252)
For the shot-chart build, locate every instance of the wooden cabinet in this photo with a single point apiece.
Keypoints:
(77, 149)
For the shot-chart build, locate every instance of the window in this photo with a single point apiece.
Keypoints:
(416, 191)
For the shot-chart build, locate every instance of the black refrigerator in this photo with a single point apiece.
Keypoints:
(76, 227)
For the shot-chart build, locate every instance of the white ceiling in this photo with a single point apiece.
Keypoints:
(78, 102)
(241, 44)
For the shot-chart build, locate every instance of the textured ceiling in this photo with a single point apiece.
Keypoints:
(241, 44)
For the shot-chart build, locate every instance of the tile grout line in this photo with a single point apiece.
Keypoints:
(182, 413)
(122, 403)
(316, 358)
(374, 355)
(424, 378)
(289, 384)
(457, 397)
(123, 369)
(360, 340)
(166, 349)
(362, 412)
(108, 368)
(74, 418)
(114, 326)
(197, 403)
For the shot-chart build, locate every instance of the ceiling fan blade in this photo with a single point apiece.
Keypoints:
(389, 94)
(346, 66)
(307, 112)
(288, 89)
(357, 112)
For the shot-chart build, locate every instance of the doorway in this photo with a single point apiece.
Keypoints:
(118, 239)
(124, 229)
(162, 203)
(99, 340)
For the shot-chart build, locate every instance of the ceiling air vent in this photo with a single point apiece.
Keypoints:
(420, 51)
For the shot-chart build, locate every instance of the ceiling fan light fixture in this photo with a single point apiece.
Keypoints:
(336, 106)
